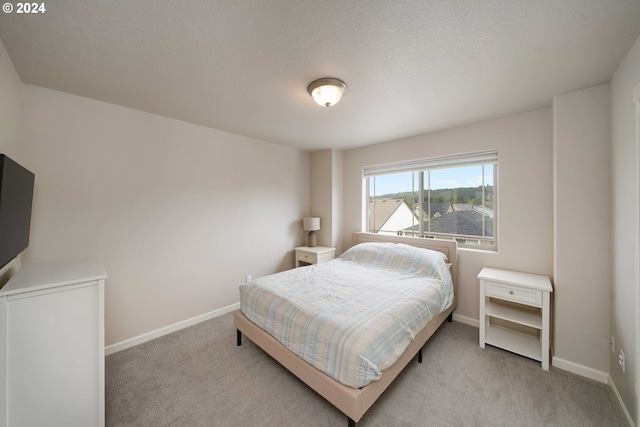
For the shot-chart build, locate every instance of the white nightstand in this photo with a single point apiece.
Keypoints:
(514, 312)
(306, 255)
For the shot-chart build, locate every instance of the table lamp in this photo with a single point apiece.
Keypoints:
(311, 224)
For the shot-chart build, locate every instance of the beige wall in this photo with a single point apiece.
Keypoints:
(10, 108)
(326, 200)
(524, 143)
(178, 213)
(337, 202)
(625, 172)
(582, 243)
(10, 129)
(322, 195)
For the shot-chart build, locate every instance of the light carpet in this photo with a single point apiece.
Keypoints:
(199, 377)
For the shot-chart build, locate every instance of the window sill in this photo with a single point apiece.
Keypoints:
(484, 251)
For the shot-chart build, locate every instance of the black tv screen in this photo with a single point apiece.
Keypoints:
(16, 197)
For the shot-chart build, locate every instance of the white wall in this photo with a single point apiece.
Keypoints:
(625, 172)
(524, 142)
(582, 244)
(178, 213)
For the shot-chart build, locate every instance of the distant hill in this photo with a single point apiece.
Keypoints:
(471, 195)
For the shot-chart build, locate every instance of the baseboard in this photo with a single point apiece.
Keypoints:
(131, 342)
(620, 402)
(584, 371)
(466, 320)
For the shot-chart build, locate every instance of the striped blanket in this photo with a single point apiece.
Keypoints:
(352, 317)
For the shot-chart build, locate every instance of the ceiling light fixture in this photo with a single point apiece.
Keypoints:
(327, 91)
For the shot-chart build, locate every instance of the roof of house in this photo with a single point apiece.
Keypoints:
(437, 208)
(382, 209)
(483, 209)
(468, 222)
(462, 206)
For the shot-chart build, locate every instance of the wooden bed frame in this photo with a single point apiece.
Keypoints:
(354, 402)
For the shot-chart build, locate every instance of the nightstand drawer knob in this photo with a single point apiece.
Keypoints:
(510, 292)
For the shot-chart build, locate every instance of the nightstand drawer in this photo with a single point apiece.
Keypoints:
(307, 257)
(513, 293)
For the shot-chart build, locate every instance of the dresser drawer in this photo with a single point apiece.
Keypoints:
(513, 293)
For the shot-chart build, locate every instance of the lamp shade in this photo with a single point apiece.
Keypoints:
(327, 91)
(311, 223)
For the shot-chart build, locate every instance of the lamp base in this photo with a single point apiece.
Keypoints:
(312, 239)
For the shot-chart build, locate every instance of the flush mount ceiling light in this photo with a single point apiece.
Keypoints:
(327, 91)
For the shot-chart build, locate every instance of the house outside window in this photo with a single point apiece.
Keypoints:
(452, 197)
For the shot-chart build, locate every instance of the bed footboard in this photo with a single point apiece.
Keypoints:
(352, 402)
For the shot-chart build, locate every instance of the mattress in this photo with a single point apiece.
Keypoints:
(352, 317)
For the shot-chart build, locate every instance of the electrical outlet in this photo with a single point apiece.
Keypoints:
(613, 344)
(247, 279)
(621, 360)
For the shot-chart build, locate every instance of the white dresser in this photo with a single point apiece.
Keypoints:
(52, 345)
(514, 312)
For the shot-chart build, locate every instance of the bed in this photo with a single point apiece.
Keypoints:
(348, 372)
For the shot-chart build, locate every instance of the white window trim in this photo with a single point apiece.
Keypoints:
(443, 162)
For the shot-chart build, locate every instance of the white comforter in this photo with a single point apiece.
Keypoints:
(352, 317)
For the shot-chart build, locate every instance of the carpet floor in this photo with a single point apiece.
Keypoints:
(199, 377)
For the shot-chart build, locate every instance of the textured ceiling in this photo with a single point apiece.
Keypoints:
(244, 65)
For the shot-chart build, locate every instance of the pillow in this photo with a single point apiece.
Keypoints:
(396, 256)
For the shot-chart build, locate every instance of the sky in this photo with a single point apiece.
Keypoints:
(469, 176)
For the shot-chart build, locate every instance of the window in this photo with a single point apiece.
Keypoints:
(451, 197)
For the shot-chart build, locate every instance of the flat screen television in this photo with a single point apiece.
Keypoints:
(16, 197)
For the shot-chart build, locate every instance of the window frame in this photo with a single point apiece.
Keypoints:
(423, 167)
